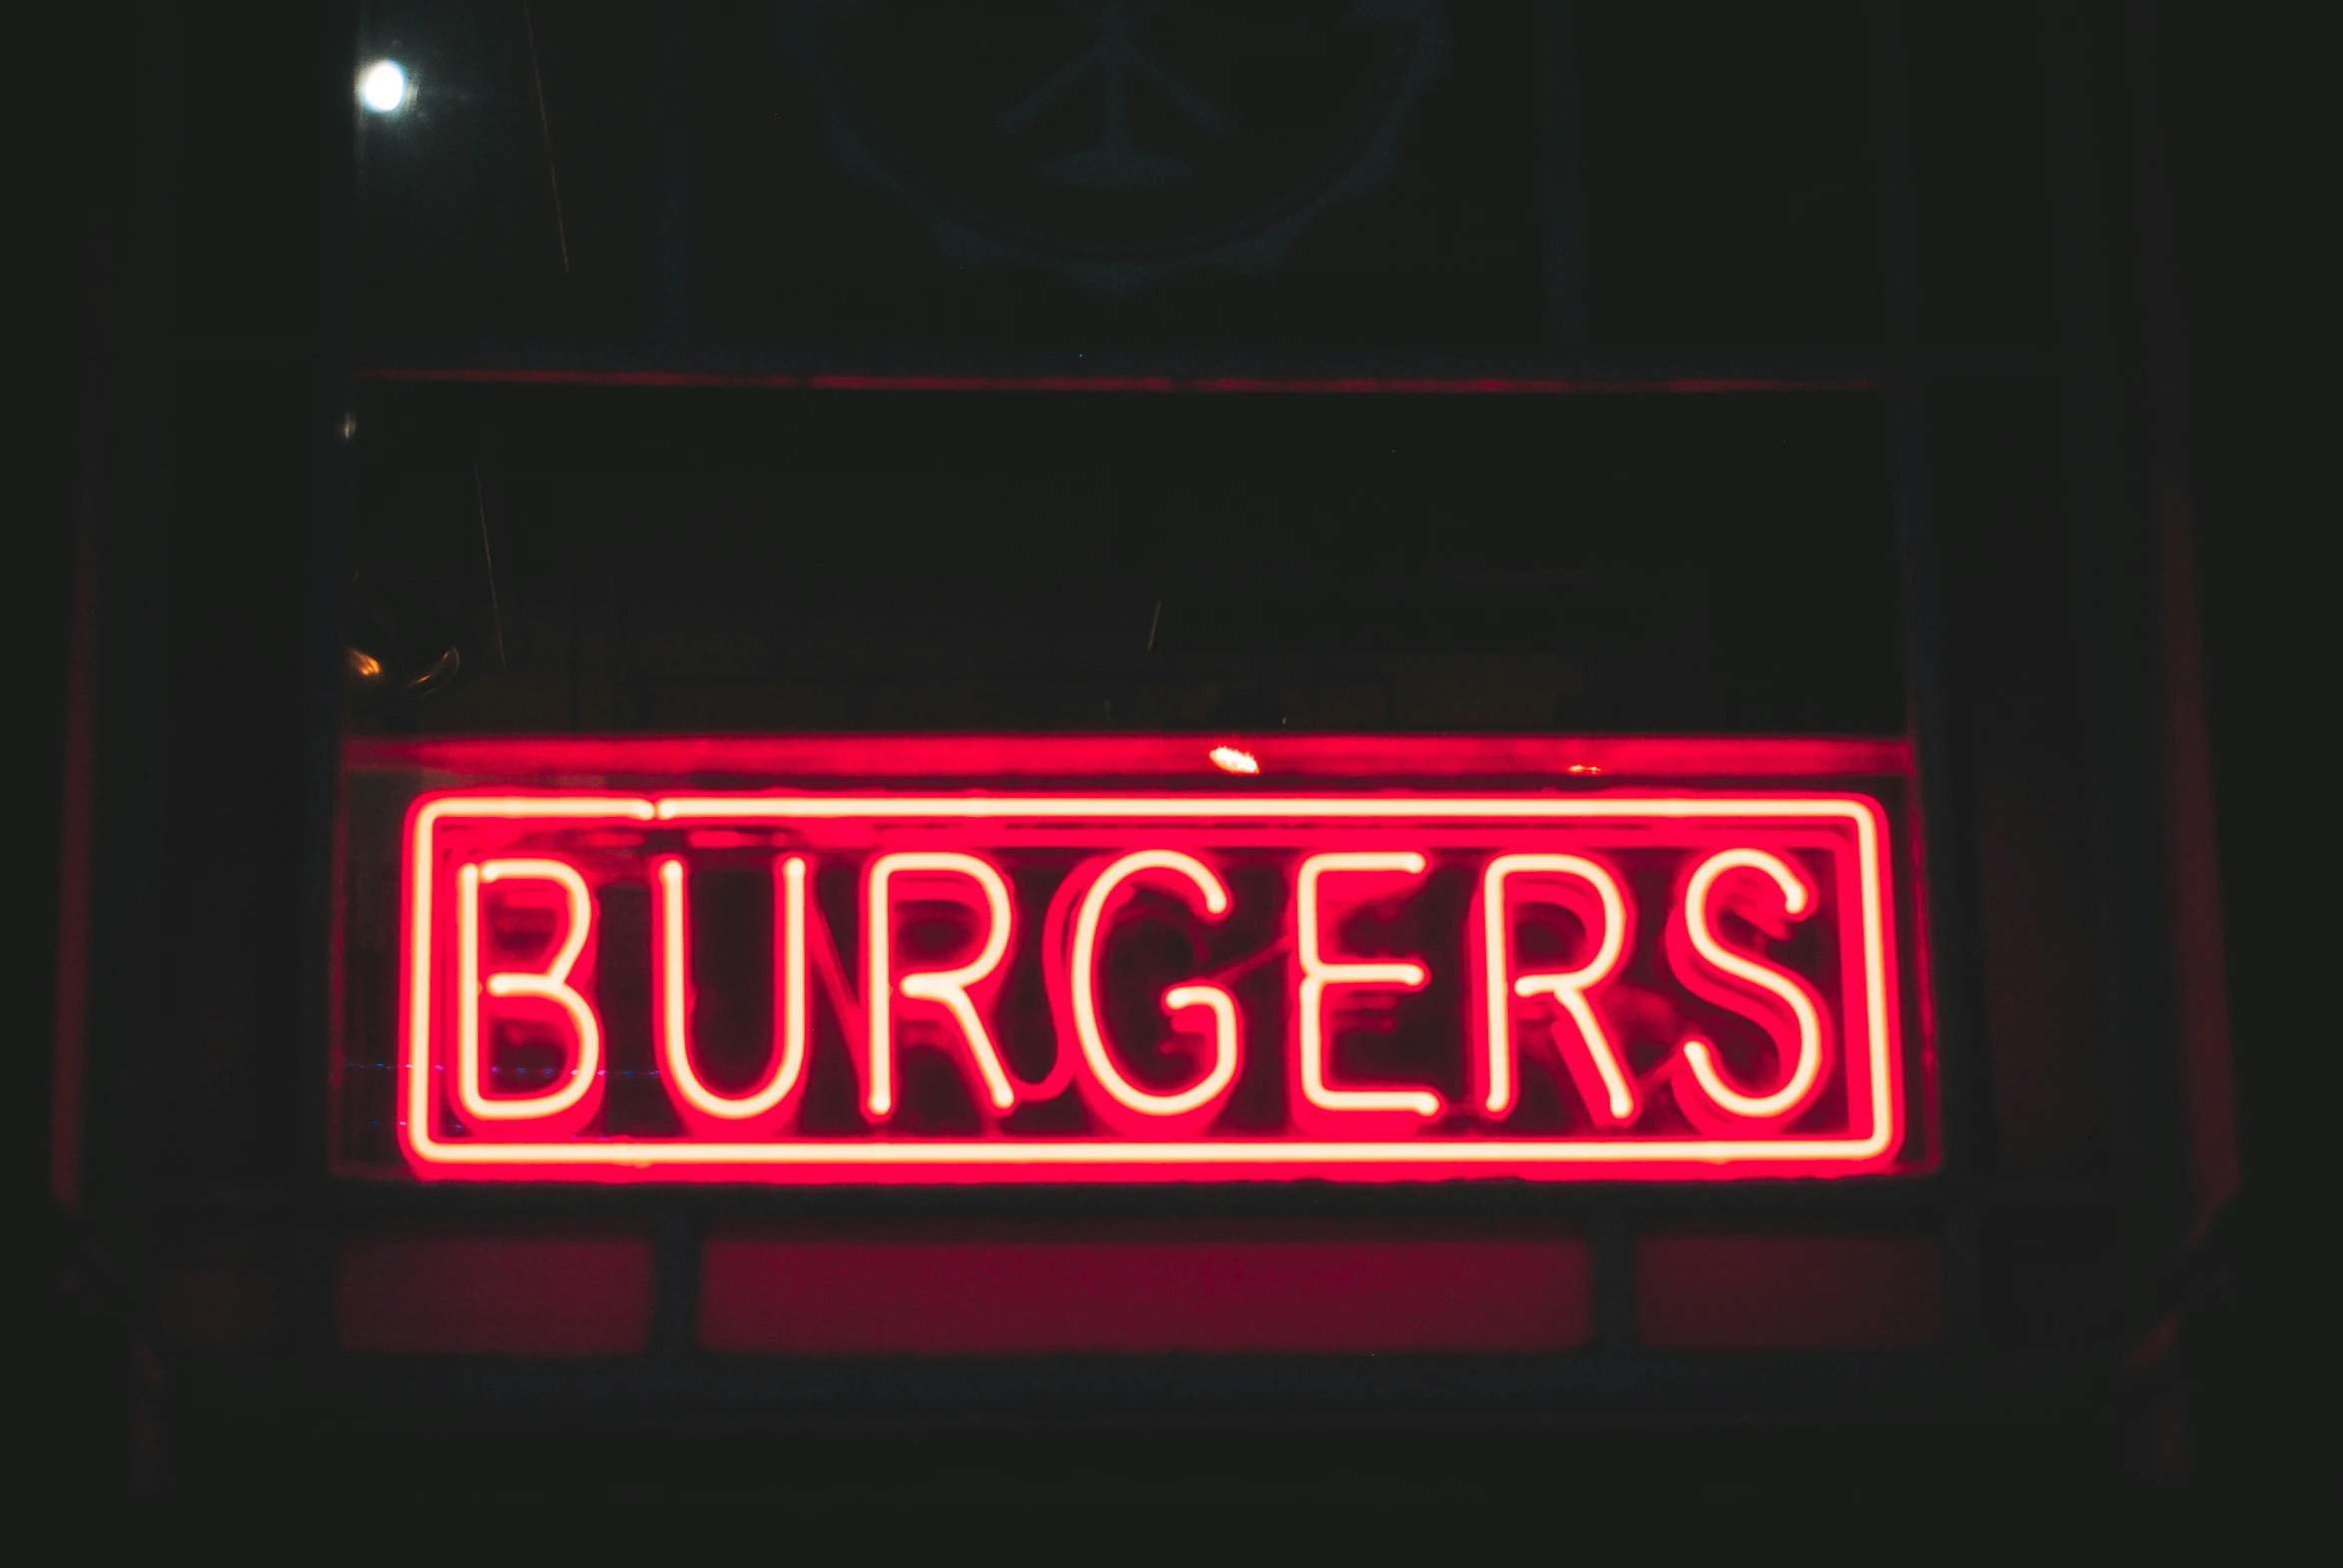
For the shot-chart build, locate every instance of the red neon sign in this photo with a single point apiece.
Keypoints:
(1318, 972)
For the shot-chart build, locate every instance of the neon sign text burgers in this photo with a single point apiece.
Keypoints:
(1149, 985)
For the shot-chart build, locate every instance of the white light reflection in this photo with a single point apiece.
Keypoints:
(382, 87)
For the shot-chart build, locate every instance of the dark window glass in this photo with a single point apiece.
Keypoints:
(1215, 171)
(817, 561)
(511, 193)
(1728, 175)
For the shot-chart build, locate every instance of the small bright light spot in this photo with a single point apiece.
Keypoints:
(382, 86)
(1231, 760)
(1584, 769)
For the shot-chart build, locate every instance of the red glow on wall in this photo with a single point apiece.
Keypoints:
(493, 1293)
(1548, 976)
(1820, 1292)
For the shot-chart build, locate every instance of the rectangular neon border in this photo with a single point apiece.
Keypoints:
(882, 1159)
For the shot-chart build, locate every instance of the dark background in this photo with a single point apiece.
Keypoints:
(171, 171)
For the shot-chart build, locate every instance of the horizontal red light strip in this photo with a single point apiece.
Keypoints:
(1350, 758)
(1320, 385)
(782, 1295)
